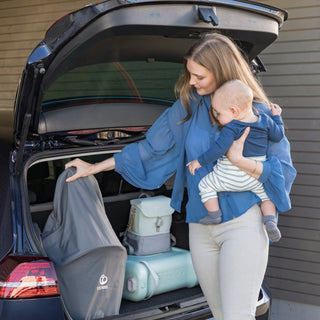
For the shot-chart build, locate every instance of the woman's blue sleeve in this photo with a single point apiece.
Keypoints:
(150, 162)
(278, 172)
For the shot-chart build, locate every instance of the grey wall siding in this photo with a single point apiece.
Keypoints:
(22, 26)
(293, 81)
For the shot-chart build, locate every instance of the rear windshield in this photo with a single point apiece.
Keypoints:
(139, 80)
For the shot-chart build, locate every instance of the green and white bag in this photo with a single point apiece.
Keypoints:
(149, 225)
(150, 216)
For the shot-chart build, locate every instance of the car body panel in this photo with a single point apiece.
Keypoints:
(6, 234)
(13, 309)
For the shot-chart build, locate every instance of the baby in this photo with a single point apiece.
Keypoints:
(232, 107)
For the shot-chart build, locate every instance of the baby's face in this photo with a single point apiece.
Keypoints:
(222, 112)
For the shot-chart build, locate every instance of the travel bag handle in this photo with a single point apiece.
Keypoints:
(155, 277)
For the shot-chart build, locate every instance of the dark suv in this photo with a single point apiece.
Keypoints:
(97, 82)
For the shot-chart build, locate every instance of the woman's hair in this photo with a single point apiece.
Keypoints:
(222, 57)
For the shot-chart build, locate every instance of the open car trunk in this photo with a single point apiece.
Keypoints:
(116, 193)
(39, 189)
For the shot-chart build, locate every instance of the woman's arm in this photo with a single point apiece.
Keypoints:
(85, 169)
(148, 163)
(235, 154)
(276, 173)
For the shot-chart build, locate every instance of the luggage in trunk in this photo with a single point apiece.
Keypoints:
(154, 274)
(88, 257)
(148, 230)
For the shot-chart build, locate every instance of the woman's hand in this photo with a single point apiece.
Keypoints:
(83, 169)
(235, 152)
(235, 155)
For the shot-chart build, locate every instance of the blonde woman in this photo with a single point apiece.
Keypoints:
(230, 259)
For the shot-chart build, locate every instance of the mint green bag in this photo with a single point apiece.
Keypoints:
(148, 230)
(150, 216)
(158, 273)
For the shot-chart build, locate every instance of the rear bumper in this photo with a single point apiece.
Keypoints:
(196, 309)
(31, 309)
(263, 304)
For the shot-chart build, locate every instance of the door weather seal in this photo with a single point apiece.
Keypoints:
(22, 143)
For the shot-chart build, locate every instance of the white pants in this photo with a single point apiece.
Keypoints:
(230, 261)
(227, 177)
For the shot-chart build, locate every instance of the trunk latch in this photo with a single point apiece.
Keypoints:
(207, 15)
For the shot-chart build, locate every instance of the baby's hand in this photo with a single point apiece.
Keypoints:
(193, 166)
(275, 109)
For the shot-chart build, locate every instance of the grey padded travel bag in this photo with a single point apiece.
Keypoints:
(89, 259)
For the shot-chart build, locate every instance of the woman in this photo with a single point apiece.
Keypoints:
(230, 259)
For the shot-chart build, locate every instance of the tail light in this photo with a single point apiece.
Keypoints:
(27, 277)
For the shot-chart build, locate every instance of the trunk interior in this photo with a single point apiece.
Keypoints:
(116, 193)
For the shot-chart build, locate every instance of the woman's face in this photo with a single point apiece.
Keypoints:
(201, 78)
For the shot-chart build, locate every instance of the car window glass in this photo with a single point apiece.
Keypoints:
(131, 79)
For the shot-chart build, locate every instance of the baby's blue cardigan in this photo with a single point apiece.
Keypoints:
(150, 162)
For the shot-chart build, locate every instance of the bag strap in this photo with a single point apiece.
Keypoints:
(125, 243)
(132, 217)
(155, 277)
(173, 240)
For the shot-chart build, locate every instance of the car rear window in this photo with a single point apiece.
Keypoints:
(138, 80)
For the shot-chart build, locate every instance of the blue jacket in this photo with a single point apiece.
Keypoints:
(170, 144)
